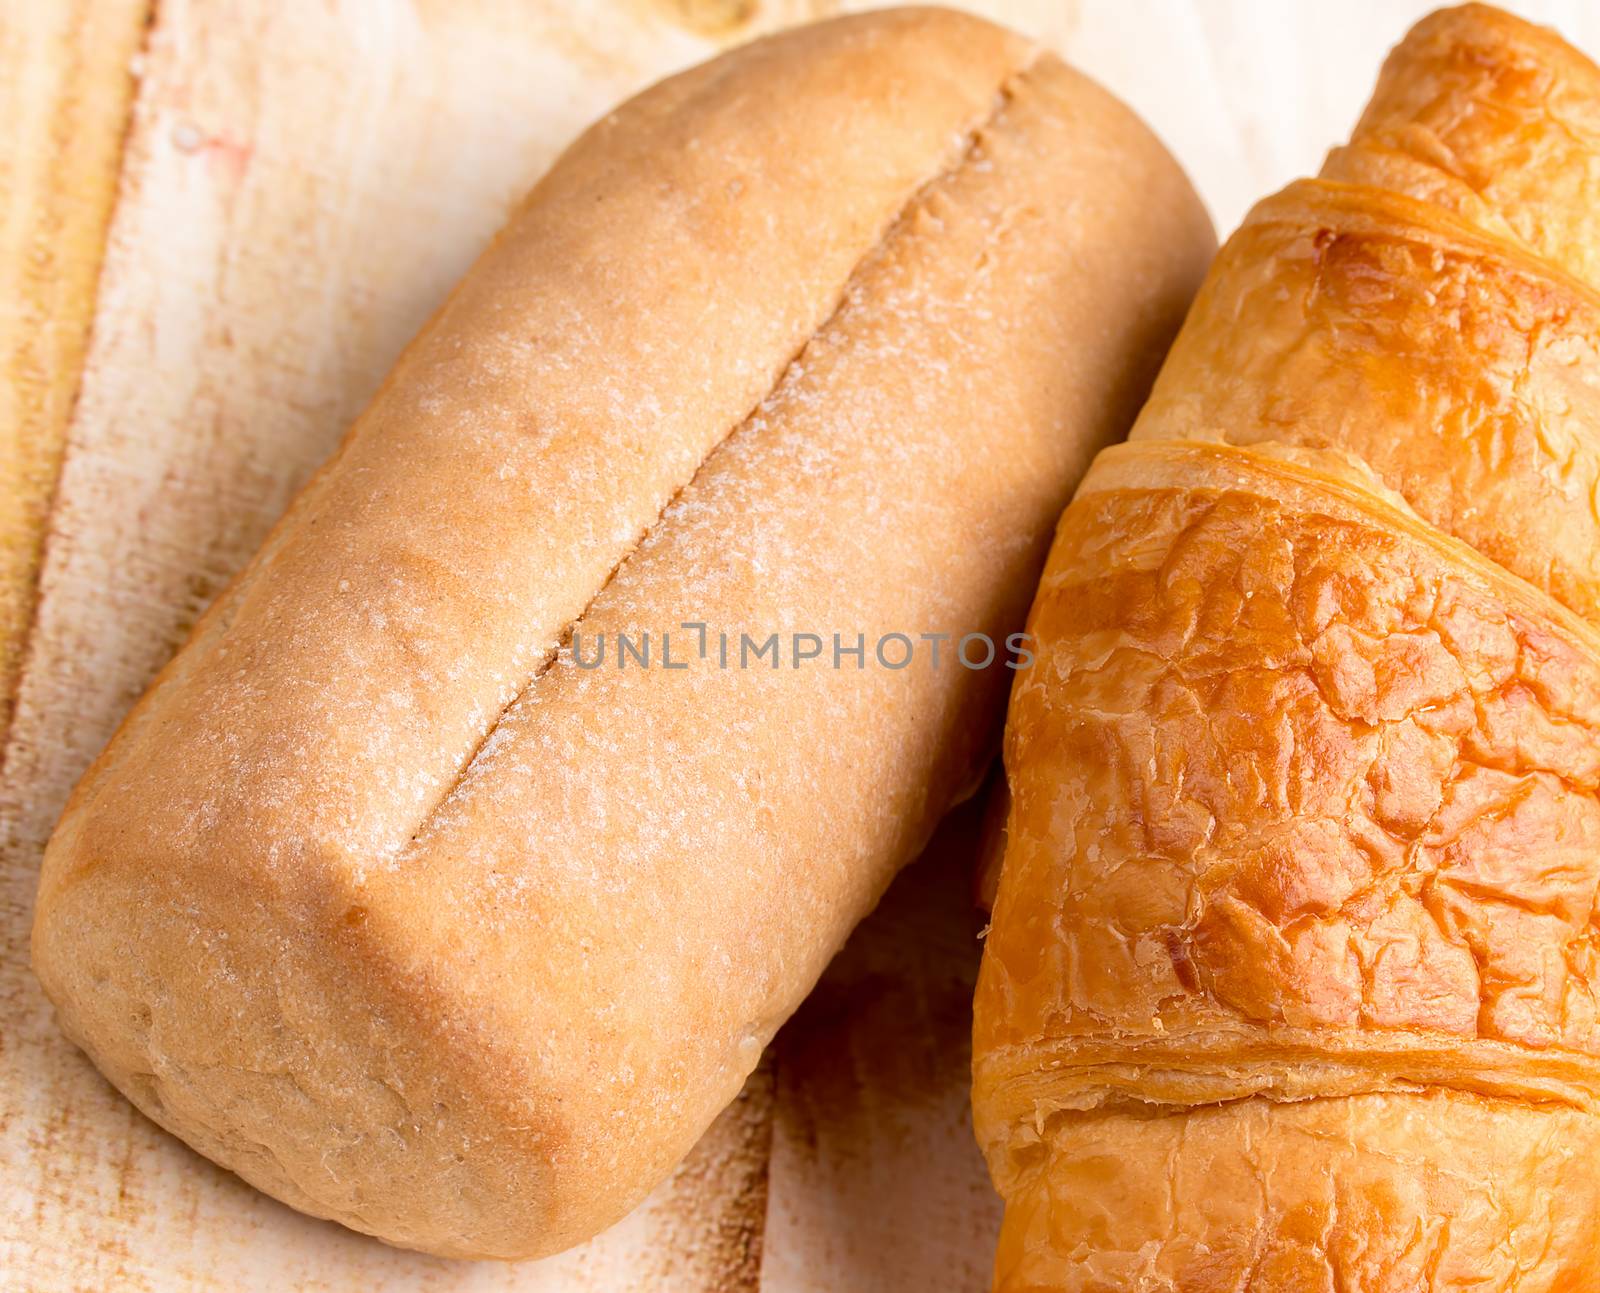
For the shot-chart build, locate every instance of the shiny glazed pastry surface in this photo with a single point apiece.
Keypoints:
(1291, 983)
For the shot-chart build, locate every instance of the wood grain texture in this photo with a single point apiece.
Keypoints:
(66, 89)
(304, 182)
(877, 1180)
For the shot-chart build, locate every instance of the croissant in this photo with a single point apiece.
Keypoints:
(1292, 977)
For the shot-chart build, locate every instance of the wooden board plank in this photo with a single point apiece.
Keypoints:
(66, 89)
(877, 1182)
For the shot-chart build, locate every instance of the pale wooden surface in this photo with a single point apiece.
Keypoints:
(301, 184)
(876, 1182)
(65, 95)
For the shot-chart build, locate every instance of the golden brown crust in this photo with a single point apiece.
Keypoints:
(418, 926)
(1496, 119)
(1337, 314)
(1332, 783)
(1294, 975)
(1430, 1193)
(1439, 277)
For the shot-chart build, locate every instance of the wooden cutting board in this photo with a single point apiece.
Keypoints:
(66, 89)
(296, 186)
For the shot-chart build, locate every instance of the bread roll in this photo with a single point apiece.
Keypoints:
(1292, 983)
(383, 899)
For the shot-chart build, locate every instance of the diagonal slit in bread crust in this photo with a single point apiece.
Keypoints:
(905, 216)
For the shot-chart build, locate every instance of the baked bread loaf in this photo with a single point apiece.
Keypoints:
(1292, 977)
(388, 900)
